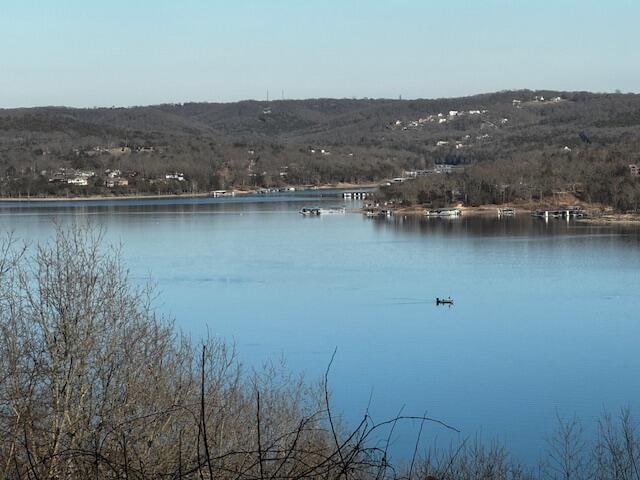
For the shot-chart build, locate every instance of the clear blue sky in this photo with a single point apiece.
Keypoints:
(137, 52)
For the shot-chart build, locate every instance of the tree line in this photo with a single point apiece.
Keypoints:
(518, 147)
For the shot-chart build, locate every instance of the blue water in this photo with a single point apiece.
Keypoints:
(545, 321)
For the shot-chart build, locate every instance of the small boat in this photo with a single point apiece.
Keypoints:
(313, 211)
(444, 301)
(309, 211)
(506, 212)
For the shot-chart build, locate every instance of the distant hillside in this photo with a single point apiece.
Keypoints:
(266, 144)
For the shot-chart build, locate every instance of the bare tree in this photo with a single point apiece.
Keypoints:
(93, 384)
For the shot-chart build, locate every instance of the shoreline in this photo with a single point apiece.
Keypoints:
(164, 196)
(598, 217)
(103, 198)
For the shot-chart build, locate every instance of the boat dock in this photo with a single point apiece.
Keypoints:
(223, 193)
(443, 212)
(378, 212)
(316, 211)
(560, 212)
(355, 195)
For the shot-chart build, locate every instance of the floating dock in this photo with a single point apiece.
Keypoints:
(385, 213)
(316, 211)
(223, 193)
(443, 212)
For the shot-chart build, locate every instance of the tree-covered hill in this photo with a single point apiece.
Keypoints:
(540, 141)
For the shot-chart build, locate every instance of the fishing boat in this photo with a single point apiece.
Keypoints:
(444, 301)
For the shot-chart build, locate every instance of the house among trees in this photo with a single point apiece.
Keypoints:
(82, 181)
(72, 177)
(117, 151)
(175, 176)
(116, 182)
(634, 170)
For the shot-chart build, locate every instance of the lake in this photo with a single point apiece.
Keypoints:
(545, 319)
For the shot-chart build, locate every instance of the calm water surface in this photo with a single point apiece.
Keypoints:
(545, 321)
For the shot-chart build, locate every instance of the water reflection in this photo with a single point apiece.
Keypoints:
(490, 226)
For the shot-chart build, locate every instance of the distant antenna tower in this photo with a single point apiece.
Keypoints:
(282, 94)
(267, 95)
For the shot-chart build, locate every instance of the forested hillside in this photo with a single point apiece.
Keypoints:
(512, 145)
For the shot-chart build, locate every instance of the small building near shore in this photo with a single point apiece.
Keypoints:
(82, 181)
(175, 176)
(116, 182)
